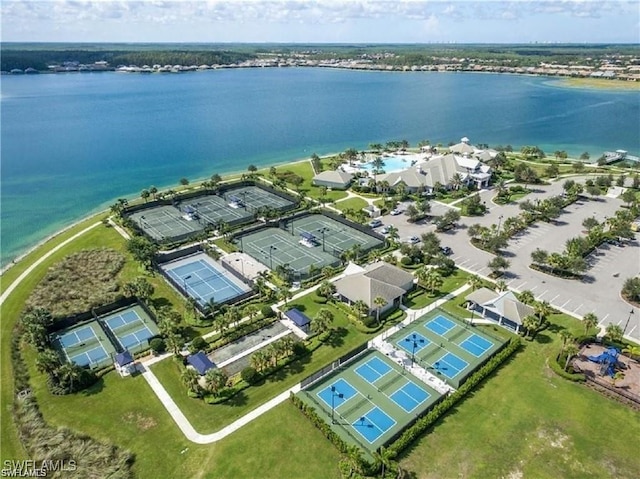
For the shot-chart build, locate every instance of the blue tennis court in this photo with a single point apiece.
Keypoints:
(450, 365)
(123, 319)
(373, 369)
(373, 424)
(440, 325)
(130, 340)
(410, 396)
(413, 343)
(92, 356)
(476, 345)
(203, 280)
(73, 338)
(342, 392)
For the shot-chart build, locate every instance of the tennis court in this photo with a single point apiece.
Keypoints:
(85, 345)
(335, 237)
(450, 365)
(211, 209)
(476, 345)
(201, 278)
(445, 346)
(440, 325)
(255, 198)
(369, 401)
(132, 327)
(164, 222)
(274, 247)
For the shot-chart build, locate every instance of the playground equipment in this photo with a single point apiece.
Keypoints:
(607, 360)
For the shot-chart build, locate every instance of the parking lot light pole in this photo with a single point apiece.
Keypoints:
(334, 394)
(627, 323)
(499, 224)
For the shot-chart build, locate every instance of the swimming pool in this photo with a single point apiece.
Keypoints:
(391, 163)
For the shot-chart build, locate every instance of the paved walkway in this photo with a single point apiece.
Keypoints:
(36, 263)
(186, 427)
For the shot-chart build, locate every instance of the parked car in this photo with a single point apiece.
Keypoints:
(413, 240)
(445, 250)
(375, 223)
(385, 230)
(395, 212)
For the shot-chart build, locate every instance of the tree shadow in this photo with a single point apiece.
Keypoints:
(238, 399)
(159, 303)
(95, 388)
(336, 339)
(543, 338)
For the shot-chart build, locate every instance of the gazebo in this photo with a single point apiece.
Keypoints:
(124, 363)
(504, 308)
(200, 362)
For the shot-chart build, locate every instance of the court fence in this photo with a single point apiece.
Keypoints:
(337, 364)
(181, 287)
(92, 314)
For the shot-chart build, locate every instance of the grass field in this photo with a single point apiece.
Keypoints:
(352, 203)
(527, 422)
(450, 283)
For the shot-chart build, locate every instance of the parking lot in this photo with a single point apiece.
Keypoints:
(599, 292)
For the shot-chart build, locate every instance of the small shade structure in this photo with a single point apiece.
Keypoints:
(200, 362)
(299, 319)
(124, 363)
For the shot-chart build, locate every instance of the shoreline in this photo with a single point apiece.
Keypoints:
(225, 177)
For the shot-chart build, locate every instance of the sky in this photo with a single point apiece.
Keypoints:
(322, 21)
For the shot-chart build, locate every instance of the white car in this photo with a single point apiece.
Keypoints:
(395, 212)
(375, 223)
(413, 240)
(385, 230)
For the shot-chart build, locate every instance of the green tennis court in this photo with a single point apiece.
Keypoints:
(370, 401)
(254, 198)
(274, 247)
(85, 345)
(334, 236)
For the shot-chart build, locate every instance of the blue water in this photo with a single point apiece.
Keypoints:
(391, 164)
(73, 143)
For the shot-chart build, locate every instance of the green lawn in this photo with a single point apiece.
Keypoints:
(527, 422)
(450, 283)
(352, 203)
(207, 418)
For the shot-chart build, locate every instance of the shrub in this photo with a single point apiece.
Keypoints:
(267, 312)
(406, 261)
(300, 349)
(250, 375)
(369, 321)
(198, 344)
(157, 345)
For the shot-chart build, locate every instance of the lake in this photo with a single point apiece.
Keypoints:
(73, 143)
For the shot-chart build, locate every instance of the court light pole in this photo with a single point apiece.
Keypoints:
(271, 248)
(241, 264)
(184, 282)
(334, 394)
(323, 230)
(415, 341)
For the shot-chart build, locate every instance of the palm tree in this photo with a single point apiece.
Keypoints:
(354, 456)
(456, 181)
(380, 303)
(590, 321)
(475, 282)
(284, 294)
(68, 373)
(48, 361)
(614, 332)
(526, 297)
(539, 256)
(259, 360)
(383, 457)
(360, 308)
(543, 309)
(190, 378)
(531, 323)
(174, 341)
(250, 310)
(393, 233)
(571, 350)
(215, 380)
(145, 195)
(321, 322)
(153, 191)
(501, 285)
(430, 279)
(287, 343)
(566, 337)
(326, 289)
(271, 352)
